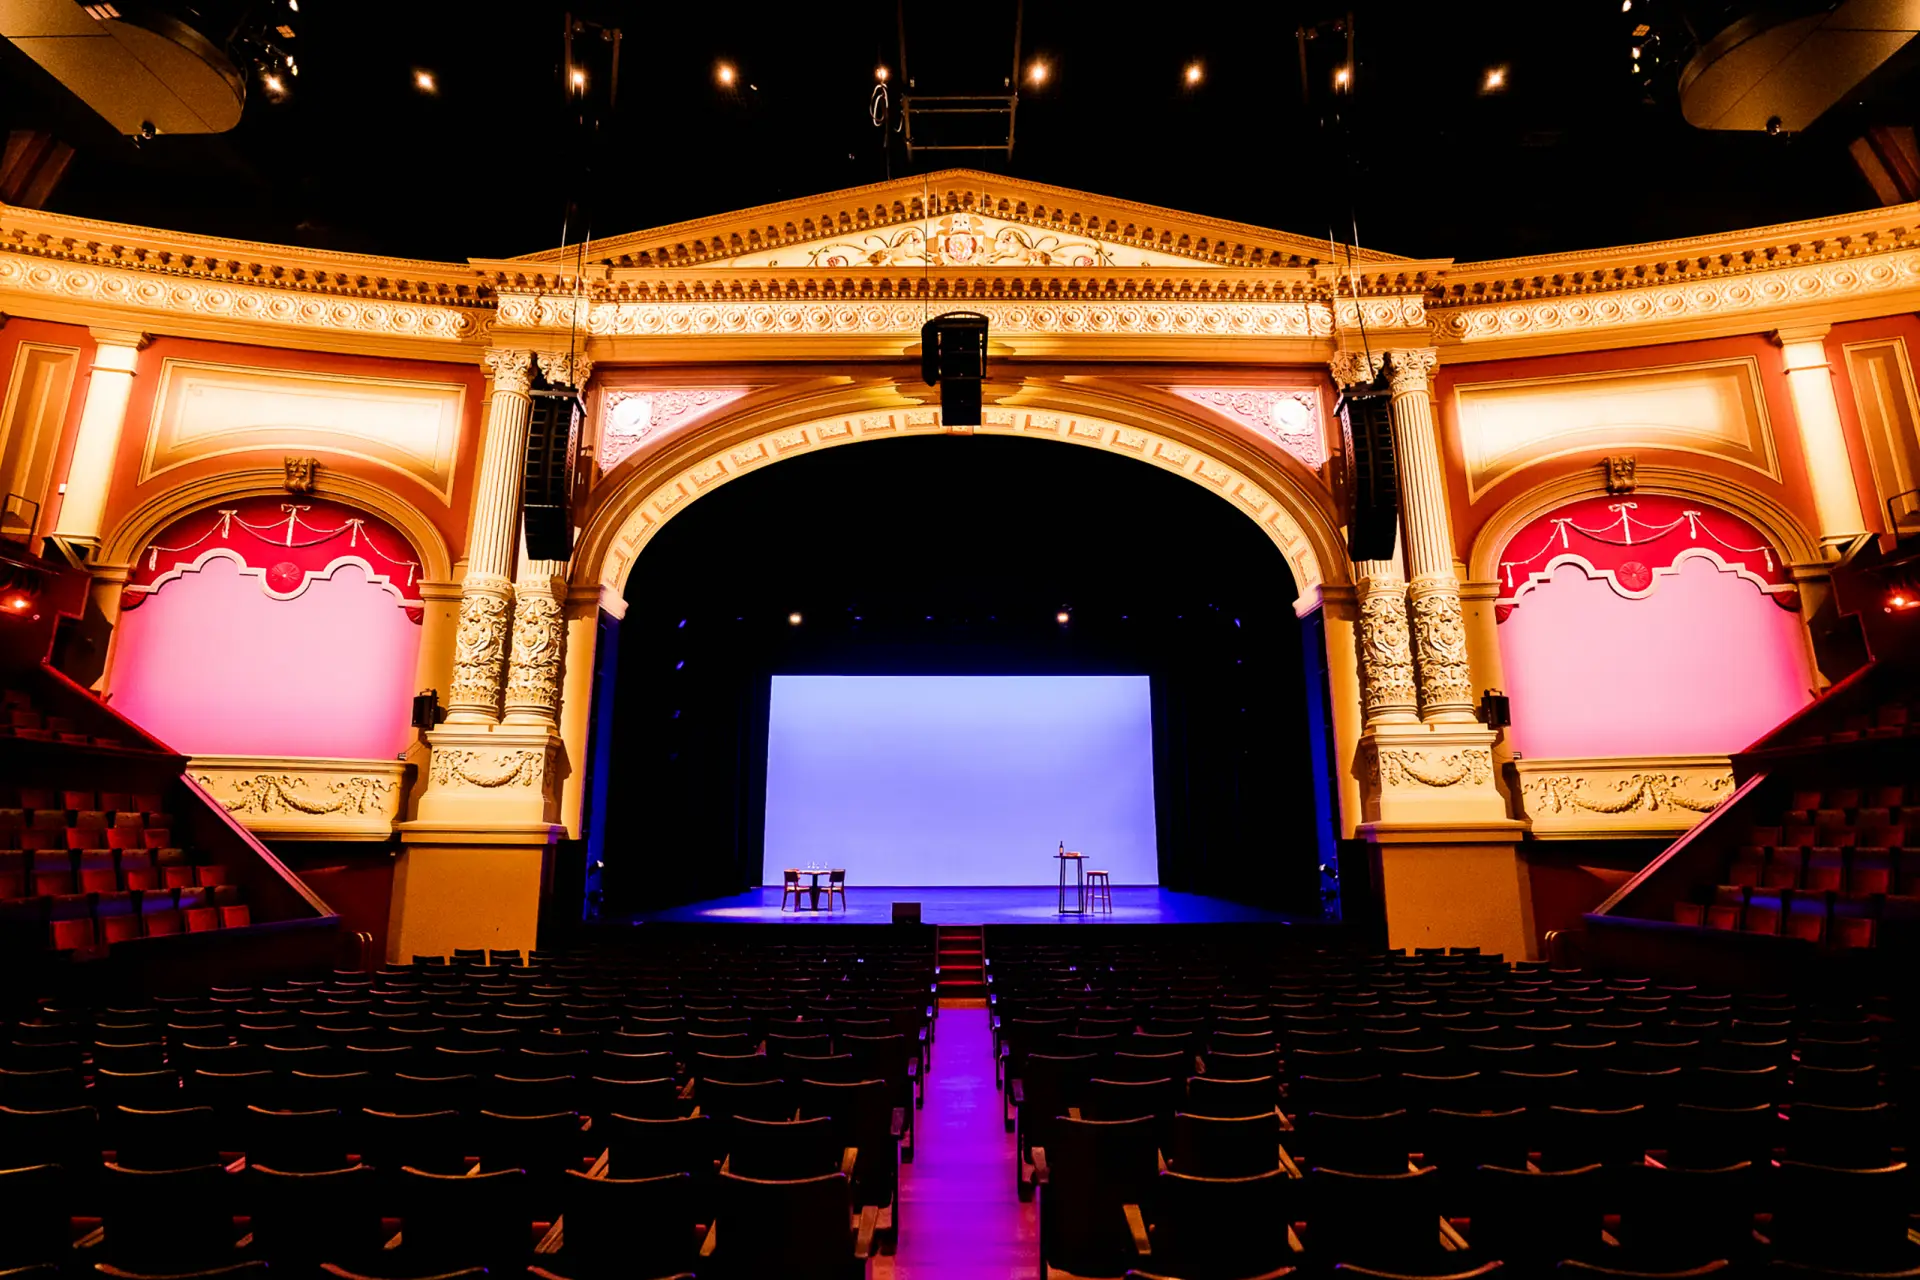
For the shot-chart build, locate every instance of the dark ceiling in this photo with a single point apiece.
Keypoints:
(1572, 153)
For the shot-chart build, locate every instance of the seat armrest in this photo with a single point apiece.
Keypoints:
(1039, 1165)
(1019, 1091)
(899, 1123)
(556, 1237)
(1137, 1224)
(707, 1245)
(849, 1156)
(869, 1223)
(599, 1169)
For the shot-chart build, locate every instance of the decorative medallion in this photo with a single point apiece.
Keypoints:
(1288, 416)
(629, 417)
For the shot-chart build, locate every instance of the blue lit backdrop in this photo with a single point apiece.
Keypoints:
(960, 780)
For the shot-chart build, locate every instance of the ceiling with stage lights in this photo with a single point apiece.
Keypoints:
(440, 130)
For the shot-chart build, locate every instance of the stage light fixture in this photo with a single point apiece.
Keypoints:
(275, 84)
(1037, 73)
(1342, 76)
(1496, 709)
(1063, 617)
(953, 357)
(578, 78)
(1496, 79)
(793, 619)
(880, 73)
(424, 81)
(1194, 73)
(725, 74)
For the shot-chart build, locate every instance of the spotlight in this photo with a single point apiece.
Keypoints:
(424, 81)
(1063, 617)
(578, 78)
(1496, 79)
(1037, 73)
(275, 84)
(880, 73)
(725, 74)
(793, 619)
(1342, 76)
(1194, 73)
(18, 602)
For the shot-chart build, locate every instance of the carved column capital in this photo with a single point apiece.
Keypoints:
(1412, 368)
(511, 370)
(1350, 368)
(566, 368)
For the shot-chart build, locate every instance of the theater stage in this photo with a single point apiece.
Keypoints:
(873, 904)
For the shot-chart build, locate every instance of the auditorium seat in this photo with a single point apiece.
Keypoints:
(623, 1227)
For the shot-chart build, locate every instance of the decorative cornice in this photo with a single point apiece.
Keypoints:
(905, 200)
(1826, 261)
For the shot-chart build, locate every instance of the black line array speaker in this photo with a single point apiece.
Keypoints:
(546, 483)
(1373, 484)
(953, 357)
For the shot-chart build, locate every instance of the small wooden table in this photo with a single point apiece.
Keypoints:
(1079, 861)
(813, 891)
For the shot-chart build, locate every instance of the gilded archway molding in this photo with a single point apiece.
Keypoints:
(660, 485)
(1766, 515)
(149, 517)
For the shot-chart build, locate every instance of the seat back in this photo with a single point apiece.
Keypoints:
(646, 1226)
(639, 1147)
(168, 1217)
(34, 1209)
(799, 1228)
(1226, 1147)
(781, 1150)
(1222, 1226)
(1530, 1217)
(301, 1218)
(452, 1221)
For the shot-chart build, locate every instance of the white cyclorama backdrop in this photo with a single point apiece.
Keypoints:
(960, 780)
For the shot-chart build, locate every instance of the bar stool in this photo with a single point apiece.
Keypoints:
(1099, 892)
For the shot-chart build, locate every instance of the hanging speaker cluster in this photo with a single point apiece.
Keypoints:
(953, 357)
(1372, 489)
(546, 487)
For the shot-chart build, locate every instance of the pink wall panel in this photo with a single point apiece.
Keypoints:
(212, 665)
(1703, 665)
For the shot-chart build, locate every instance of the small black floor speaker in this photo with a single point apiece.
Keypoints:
(906, 913)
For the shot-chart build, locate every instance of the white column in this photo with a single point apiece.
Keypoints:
(102, 415)
(1836, 499)
(486, 594)
(1439, 635)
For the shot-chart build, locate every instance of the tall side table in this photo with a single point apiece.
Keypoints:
(1079, 886)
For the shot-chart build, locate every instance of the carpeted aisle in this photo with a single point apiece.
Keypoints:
(961, 1216)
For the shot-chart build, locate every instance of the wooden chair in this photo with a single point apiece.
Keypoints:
(837, 883)
(790, 885)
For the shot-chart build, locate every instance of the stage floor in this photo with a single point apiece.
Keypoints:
(873, 904)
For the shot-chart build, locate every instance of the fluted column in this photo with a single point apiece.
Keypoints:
(1439, 634)
(486, 594)
(102, 414)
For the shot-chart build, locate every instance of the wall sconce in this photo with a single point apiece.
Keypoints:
(1496, 712)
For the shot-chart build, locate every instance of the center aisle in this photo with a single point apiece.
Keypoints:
(962, 1218)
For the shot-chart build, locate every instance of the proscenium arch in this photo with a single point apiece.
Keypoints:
(1769, 517)
(139, 525)
(713, 453)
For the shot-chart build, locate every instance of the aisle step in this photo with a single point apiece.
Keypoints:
(961, 952)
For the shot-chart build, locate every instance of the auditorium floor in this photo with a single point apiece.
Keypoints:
(1032, 904)
(961, 1216)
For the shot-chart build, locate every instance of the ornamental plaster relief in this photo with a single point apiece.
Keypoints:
(489, 770)
(854, 309)
(480, 646)
(1616, 796)
(1403, 767)
(296, 798)
(629, 417)
(533, 664)
(646, 516)
(1288, 416)
(1760, 290)
(240, 301)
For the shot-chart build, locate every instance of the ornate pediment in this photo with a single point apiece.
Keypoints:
(959, 218)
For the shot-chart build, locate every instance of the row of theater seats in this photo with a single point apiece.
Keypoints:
(1822, 873)
(1889, 720)
(646, 1113)
(1207, 1114)
(20, 719)
(81, 870)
